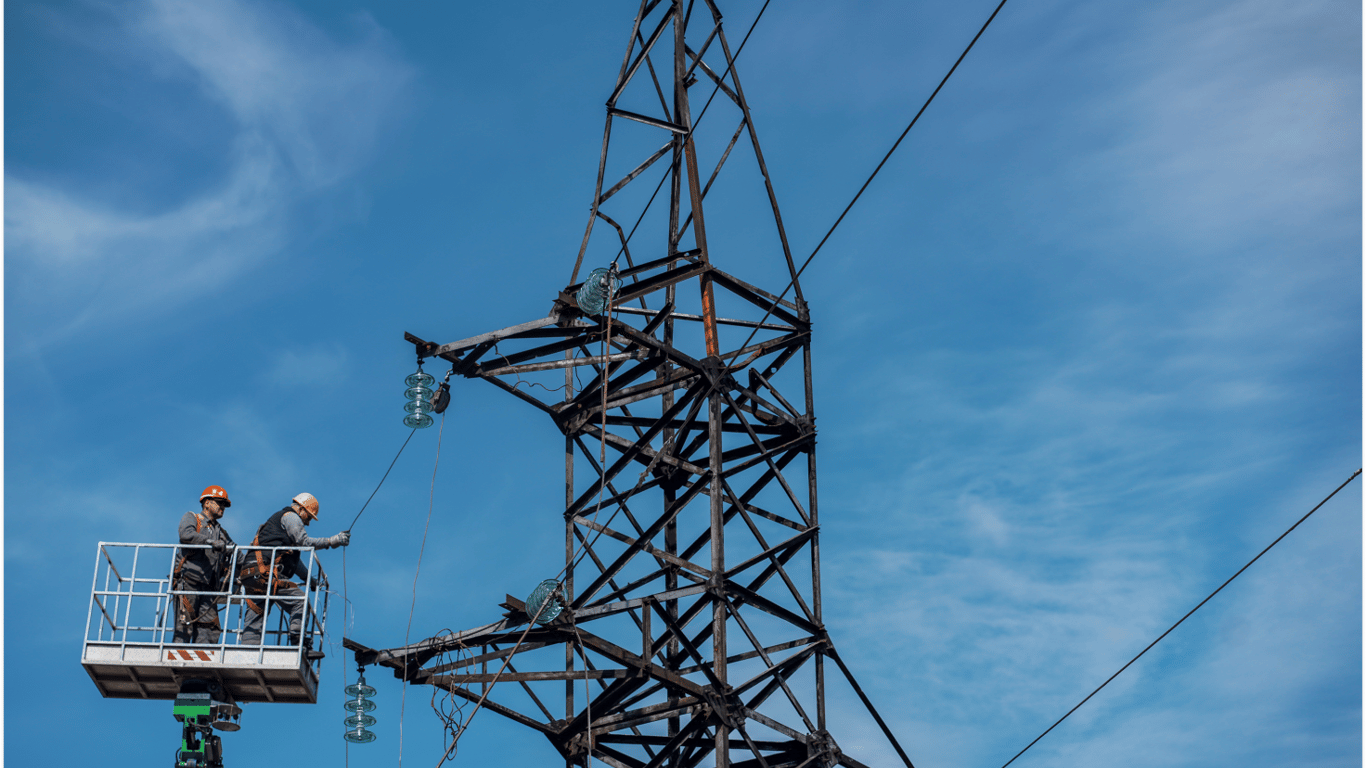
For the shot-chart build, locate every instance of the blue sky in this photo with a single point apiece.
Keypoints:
(1090, 341)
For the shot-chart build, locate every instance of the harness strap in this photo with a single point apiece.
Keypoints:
(256, 606)
(198, 526)
(255, 575)
(260, 561)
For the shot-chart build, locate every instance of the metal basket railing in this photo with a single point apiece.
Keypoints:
(132, 594)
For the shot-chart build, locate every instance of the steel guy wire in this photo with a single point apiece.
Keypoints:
(1187, 616)
(885, 158)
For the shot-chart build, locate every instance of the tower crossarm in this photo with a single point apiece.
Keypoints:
(684, 626)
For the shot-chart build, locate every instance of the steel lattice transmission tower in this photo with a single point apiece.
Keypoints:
(692, 587)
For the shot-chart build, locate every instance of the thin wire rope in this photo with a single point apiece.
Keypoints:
(575, 555)
(717, 88)
(431, 499)
(480, 703)
(587, 691)
(1187, 616)
(885, 158)
(346, 604)
(606, 374)
(602, 470)
(450, 720)
(381, 482)
(518, 376)
(579, 551)
(346, 601)
(602, 487)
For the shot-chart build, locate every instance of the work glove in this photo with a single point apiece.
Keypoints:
(340, 540)
(219, 545)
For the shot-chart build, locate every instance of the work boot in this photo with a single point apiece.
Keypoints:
(309, 653)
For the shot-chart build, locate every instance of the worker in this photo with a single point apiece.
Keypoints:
(202, 570)
(285, 528)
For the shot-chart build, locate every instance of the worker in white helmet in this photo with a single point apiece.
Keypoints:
(201, 570)
(285, 528)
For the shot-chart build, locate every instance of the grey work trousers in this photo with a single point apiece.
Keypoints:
(290, 599)
(196, 616)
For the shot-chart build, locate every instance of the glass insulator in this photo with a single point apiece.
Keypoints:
(421, 379)
(418, 420)
(600, 286)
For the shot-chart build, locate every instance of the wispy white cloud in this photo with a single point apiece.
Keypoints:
(322, 102)
(306, 110)
(313, 366)
(1233, 128)
(1045, 508)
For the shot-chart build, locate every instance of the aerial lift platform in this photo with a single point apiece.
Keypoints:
(130, 650)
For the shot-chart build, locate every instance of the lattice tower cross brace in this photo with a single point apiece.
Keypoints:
(751, 432)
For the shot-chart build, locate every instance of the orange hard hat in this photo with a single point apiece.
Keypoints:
(309, 503)
(215, 492)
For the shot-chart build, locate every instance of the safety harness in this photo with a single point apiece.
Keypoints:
(186, 615)
(258, 575)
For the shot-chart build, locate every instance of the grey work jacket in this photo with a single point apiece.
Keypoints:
(204, 566)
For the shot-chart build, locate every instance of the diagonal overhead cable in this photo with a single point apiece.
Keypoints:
(381, 480)
(1188, 615)
(874, 174)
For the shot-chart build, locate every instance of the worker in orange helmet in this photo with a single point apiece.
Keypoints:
(285, 528)
(202, 570)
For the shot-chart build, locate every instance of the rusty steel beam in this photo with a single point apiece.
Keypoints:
(698, 526)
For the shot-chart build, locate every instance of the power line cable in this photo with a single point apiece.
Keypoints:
(574, 559)
(1187, 616)
(730, 65)
(885, 158)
